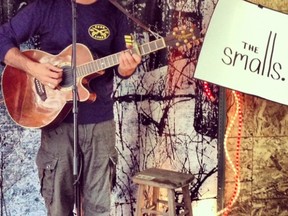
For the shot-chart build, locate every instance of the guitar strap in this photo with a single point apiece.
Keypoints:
(137, 21)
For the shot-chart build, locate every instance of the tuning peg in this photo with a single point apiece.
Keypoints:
(189, 45)
(175, 29)
(196, 42)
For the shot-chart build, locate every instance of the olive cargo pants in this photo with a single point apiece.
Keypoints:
(55, 166)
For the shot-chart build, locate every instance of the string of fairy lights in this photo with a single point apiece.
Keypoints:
(236, 116)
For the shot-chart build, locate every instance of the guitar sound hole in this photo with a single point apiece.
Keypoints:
(67, 78)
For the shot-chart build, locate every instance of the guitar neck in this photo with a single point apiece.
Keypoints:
(113, 60)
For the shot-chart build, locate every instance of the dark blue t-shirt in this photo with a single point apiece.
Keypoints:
(100, 26)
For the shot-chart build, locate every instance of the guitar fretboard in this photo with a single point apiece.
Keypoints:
(112, 60)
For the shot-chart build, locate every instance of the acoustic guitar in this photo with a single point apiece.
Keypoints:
(33, 105)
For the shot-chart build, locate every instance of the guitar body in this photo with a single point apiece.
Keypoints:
(33, 105)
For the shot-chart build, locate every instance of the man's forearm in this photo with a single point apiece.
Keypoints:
(15, 58)
(46, 73)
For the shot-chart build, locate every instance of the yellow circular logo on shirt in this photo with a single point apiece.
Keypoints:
(99, 32)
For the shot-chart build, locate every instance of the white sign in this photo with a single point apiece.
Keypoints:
(246, 49)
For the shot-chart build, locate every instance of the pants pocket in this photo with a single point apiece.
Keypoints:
(46, 170)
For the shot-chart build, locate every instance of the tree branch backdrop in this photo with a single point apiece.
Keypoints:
(163, 116)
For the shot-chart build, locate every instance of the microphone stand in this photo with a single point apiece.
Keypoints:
(77, 204)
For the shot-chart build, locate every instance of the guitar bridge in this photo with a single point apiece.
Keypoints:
(40, 89)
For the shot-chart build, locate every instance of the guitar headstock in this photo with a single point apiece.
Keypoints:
(183, 36)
